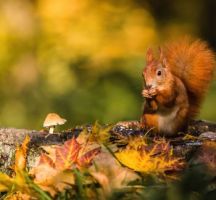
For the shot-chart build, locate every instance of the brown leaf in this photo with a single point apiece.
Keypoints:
(18, 196)
(20, 155)
(51, 179)
(18, 185)
(103, 180)
(67, 154)
(44, 159)
(51, 172)
(110, 174)
(43, 177)
(50, 150)
(86, 159)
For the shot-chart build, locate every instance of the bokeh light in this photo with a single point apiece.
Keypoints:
(83, 59)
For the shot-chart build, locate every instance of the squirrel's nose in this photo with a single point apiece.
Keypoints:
(148, 87)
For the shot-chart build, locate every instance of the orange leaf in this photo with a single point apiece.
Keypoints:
(86, 159)
(18, 196)
(44, 159)
(51, 172)
(20, 155)
(67, 154)
(43, 177)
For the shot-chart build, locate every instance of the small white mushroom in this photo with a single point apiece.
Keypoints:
(52, 120)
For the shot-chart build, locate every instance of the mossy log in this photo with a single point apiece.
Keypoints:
(11, 137)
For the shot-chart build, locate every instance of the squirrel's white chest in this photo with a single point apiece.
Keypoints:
(166, 120)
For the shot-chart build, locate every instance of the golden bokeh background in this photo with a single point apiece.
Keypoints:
(83, 59)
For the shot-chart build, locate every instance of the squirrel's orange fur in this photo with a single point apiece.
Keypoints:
(176, 84)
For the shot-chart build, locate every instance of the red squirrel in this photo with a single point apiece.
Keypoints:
(175, 84)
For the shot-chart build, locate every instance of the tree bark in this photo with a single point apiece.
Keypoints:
(11, 137)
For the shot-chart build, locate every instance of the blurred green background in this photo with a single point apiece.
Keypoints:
(83, 58)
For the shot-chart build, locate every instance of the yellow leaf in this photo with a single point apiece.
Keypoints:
(20, 155)
(5, 182)
(99, 133)
(190, 137)
(156, 158)
(19, 181)
(110, 174)
(18, 196)
(3, 188)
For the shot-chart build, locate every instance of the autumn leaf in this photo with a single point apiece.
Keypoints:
(137, 142)
(50, 179)
(153, 158)
(97, 133)
(190, 137)
(53, 172)
(110, 174)
(18, 181)
(18, 196)
(45, 159)
(71, 153)
(103, 180)
(5, 182)
(50, 172)
(20, 155)
(85, 160)
(20, 186)
(67, 154)
(50, 150)
(100, 133)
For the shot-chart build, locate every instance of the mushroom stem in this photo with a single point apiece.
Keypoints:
(51, 130)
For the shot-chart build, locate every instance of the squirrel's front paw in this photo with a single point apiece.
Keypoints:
(149, 93)
(145, 93)
(152, 92)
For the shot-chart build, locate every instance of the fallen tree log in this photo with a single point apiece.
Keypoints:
(11, 137)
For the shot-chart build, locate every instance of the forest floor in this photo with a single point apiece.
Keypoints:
(108, 162)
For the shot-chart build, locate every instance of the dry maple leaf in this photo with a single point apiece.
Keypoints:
(154, 158)
(67, 154)
(52, 172)
(110, 174)
(46, 159)
(20, 155)
(18, 196)
(86, 159)
(97, 133)
(20, 185)
(51, 179)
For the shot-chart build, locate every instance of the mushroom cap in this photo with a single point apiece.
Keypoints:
(53, 119)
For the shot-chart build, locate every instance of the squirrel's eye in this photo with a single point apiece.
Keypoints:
(158, 72)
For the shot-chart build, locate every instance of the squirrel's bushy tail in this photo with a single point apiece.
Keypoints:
(194, 63)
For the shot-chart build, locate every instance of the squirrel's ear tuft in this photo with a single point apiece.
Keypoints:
(161, 54)
(149, 55)
(164, 61)
(162, 57)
